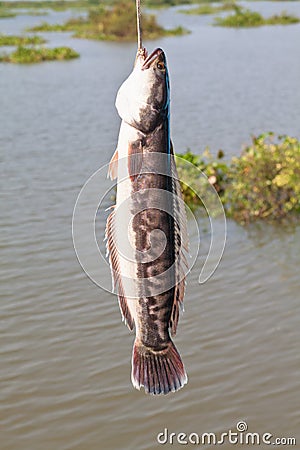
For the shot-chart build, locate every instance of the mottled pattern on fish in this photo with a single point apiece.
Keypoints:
(149, 275)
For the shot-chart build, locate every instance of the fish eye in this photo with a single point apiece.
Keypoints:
(160, 65)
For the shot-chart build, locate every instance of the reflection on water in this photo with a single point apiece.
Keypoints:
(65, 355)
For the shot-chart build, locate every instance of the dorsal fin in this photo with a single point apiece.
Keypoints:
(179, 207)
(181, 245)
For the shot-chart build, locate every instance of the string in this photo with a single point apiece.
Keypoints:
(139, 27)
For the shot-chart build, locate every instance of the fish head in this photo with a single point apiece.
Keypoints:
(143, 99)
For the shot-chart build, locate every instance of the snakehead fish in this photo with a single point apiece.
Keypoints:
(146, 231)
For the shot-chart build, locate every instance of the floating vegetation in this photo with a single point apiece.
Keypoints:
(45, 27)
(10, 40)
(6, 13)
(31, 12)
(57, 5)
(282, 19)
(262, 183)
(168, 3)
(244, 18)
(265, 180)
(114, 24)
(207, 8)
(26, 55)
(61, 5)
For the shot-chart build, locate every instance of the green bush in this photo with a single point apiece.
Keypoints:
(262, 183)
(214, 168)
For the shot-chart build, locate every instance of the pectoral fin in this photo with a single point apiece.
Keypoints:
(113, 166)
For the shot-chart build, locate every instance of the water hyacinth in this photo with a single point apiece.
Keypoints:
(262, 183)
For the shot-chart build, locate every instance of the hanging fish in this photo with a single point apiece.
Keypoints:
(146, 231)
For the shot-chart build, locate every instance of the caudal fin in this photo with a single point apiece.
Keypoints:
(159, 372)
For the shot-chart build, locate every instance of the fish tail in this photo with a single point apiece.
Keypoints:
(159, 372)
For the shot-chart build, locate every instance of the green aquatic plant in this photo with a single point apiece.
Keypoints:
(31, 12)
(8, 9)
(6, 13)
(282, 19)
(244, 18)
(241, 18)
(9, 40)
(62, 5)
(45, 27)
(167, 3)
(26, 55)
(207, 8)
(215, 170)
(57, 5)
(162, 4)
(262, 183)
(115, 24)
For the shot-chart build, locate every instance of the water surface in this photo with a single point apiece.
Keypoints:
(65, 355)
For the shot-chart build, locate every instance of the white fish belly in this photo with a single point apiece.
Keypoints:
(124, 234)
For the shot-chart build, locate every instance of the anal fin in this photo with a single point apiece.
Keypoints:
(110, 234)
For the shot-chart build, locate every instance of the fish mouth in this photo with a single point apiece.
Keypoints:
(150, 58)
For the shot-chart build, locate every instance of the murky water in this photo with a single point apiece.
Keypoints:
(65, 355)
